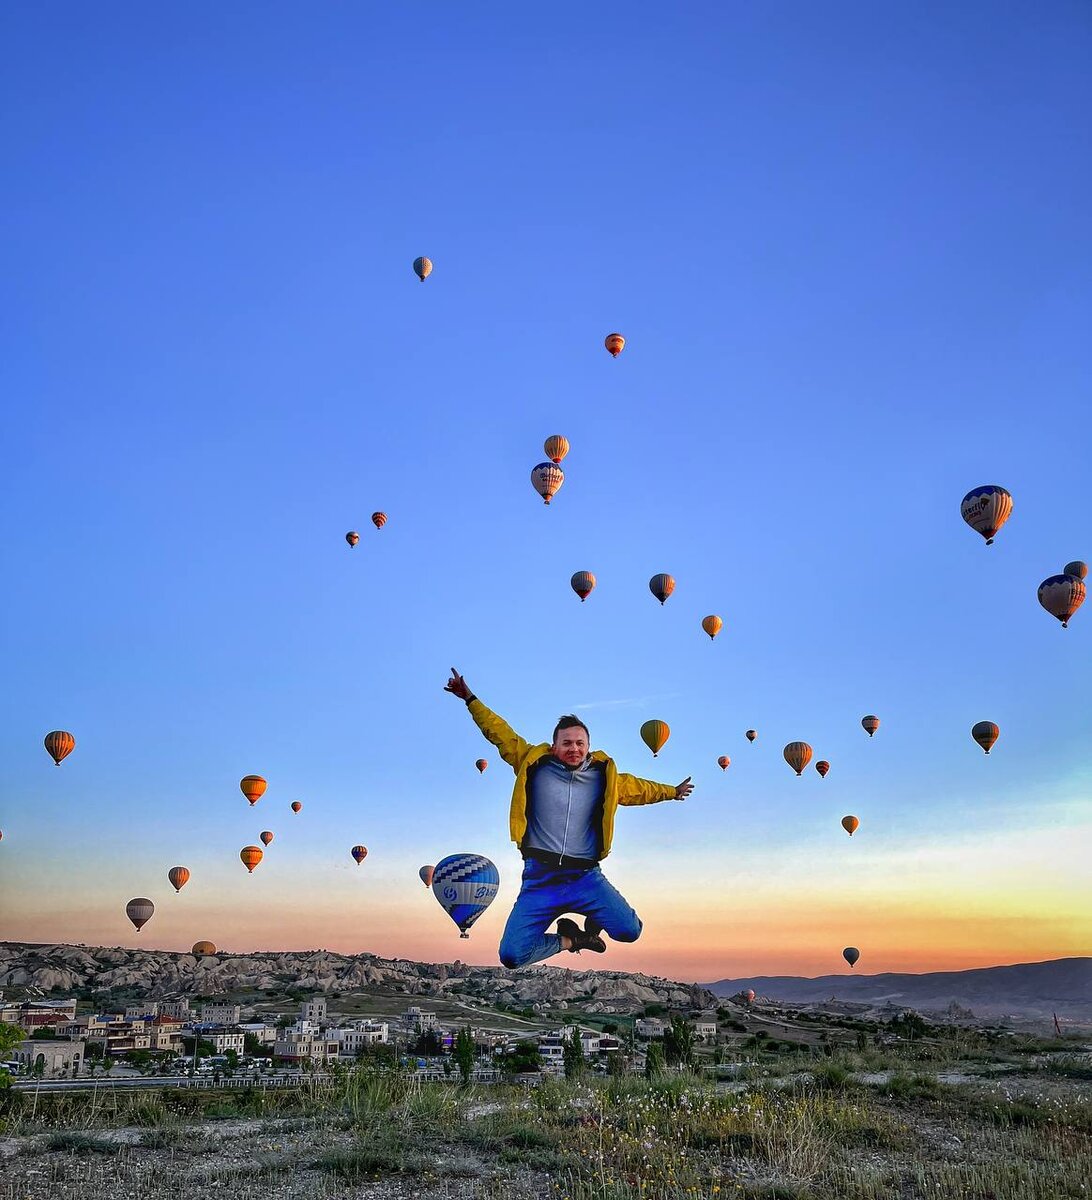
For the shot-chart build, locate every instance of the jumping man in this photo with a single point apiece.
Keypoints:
(562, 819)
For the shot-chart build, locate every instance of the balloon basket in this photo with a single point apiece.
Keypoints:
(465, 935)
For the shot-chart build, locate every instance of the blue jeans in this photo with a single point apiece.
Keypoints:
(549, 892)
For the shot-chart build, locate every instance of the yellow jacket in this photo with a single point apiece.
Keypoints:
(520, 755)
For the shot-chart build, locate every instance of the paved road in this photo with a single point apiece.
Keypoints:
(286, 1079)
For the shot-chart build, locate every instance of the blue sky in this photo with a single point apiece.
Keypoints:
(849, 250)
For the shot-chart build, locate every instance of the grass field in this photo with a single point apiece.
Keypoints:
(835, 1127)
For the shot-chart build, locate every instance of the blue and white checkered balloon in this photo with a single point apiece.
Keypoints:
(465, 885)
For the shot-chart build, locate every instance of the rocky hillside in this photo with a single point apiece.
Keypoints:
(66, 970)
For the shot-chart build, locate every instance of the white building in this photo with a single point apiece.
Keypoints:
(296, 1046)
(418, 1019)
(50, 1059)
(362, 1034)
(649, 1027)
(704, 1029)
(314, 1010)
(266, 1034)
(179, 1008)
(220, 1014)
(226, 1041)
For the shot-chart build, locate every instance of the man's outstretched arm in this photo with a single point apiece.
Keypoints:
(511, 746)
(632, 789)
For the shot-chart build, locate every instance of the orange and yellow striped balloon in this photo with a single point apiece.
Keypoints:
(556, 447)
(615, 344)
(59, 744)
(250, 856)
(253, 787)
(850, 824)
(712, 626)
(178, 877)
(654, 734)
(797, 755)
(379, 519)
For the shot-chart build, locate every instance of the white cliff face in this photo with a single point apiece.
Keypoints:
(161, 973)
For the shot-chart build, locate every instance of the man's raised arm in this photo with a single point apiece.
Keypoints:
(511, 746)
(632, 789)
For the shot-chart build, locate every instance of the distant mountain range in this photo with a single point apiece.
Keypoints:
(1062, 986)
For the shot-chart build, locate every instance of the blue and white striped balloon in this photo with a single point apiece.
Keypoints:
(465, 885)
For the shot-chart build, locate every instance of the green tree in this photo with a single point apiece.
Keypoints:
(524, 1057)
(10, 1037)
(139, 1058)
(679, 1043)
(654, 1060)
(572, 1056)
(463, 1053)
(429, 1044)
(252, 1046)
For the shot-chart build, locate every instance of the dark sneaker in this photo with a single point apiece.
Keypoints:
(582, 939)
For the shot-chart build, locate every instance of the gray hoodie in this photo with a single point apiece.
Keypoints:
(565, 809)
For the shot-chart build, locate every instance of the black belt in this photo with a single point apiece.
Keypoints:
(562, 861)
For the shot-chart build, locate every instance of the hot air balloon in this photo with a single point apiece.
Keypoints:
(1061, 596)
(724, 762)
(59, 744)
(352, 537)
(177, 876)
(360, 853)
(296, 806)
(654, 734)
(661, 586)
(582, 583)
(850, 824)
(986, 509)
(139, 910)
(1, 835)
(422, 268)
(202, 949)
(266, 836)
(425, 874)
(556, 447)
(985, 733)
(797, 755)
(379, 519)
(749, 995)
(546, 478)
(822, 766)
(712, 626)
(615, 344)
(751, 734)
(1078, 568)
(481, 764)
(851, 954)
(250, 857)
(465, 885)
(253, 787)
(870, 724)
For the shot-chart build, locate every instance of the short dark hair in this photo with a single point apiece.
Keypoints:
(570, 722)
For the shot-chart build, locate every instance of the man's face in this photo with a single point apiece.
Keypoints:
(571, 746)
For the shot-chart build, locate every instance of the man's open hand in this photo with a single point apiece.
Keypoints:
(456, 685)
(684, 789)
